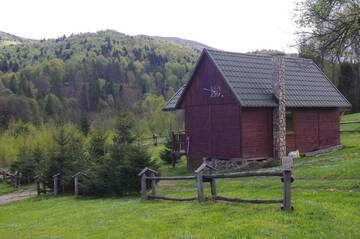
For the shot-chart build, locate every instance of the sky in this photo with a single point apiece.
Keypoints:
(231, 25)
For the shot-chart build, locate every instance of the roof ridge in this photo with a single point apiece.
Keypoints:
(256, 54)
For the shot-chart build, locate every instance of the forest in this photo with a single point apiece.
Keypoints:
(87, 80)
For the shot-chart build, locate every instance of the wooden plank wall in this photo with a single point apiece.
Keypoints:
(256, 137)
(212, 124)
(316, 128)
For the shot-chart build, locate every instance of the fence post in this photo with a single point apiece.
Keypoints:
(287, 163)
(76, 185)
(44, 187)
(153, 185)
(213, 189)
(56, 184)
(200, 180)
(200, 186)
(38, 187)
(76, 182)
(142, 174)
(143, 187)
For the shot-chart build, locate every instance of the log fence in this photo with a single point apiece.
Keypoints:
(13, 178)
(285, 174)
(351, 123)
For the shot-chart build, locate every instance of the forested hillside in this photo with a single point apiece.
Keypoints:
(86, 73)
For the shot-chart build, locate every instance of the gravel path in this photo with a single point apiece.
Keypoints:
(16, 196)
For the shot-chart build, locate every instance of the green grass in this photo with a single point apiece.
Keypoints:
(326, 196)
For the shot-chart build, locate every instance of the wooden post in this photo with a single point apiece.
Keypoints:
(38, 187)
(200, 186)
(56, 181)
(19, 179)
(287, 191)
(213, 189)
(142, 174)
(56, 184)
(153, 185)
(200, 180)
(76, 185)
(287, 163)
(143, 187)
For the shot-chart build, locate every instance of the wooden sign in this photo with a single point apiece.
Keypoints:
(215, 92)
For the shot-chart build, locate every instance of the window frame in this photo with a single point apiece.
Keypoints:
(292, 129)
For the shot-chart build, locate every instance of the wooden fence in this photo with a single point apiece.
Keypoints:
(148, 174)
(350, 122)
(13, 178)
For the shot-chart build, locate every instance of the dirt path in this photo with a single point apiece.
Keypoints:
(16, 196)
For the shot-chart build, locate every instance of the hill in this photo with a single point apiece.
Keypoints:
(7, 37)
(325, 194)
(88, 72)
(184, 42)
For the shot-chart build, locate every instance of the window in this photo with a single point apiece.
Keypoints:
(289, 122)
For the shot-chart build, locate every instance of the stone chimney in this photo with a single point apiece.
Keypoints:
(279, 113)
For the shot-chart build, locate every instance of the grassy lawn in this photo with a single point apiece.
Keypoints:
(326, 196)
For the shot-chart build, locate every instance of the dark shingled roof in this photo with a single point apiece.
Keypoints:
(172, 102)
(250, 77)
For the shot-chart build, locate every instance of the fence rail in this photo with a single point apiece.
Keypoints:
(244, 174)
(350, 122)
(172, 178)
(202, 178)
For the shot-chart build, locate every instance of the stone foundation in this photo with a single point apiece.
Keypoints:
(242, 164)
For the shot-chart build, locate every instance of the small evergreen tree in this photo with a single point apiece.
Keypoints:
(66, 155)
(97, 145)
(117, 173)
(167, 154)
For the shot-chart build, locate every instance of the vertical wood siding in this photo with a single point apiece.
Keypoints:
(316, 128)
(212, 124)
(256, 134)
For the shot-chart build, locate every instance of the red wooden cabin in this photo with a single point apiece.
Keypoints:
(229, 102)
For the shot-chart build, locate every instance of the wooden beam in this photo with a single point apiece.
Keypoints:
(287, 191)
(172, 178)
(56, 183)
(350, 122)
(172, 199)
(76, 185)
(213, 189)
(143, 187)
(249, 200)
(200, 186)
(243, 174)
